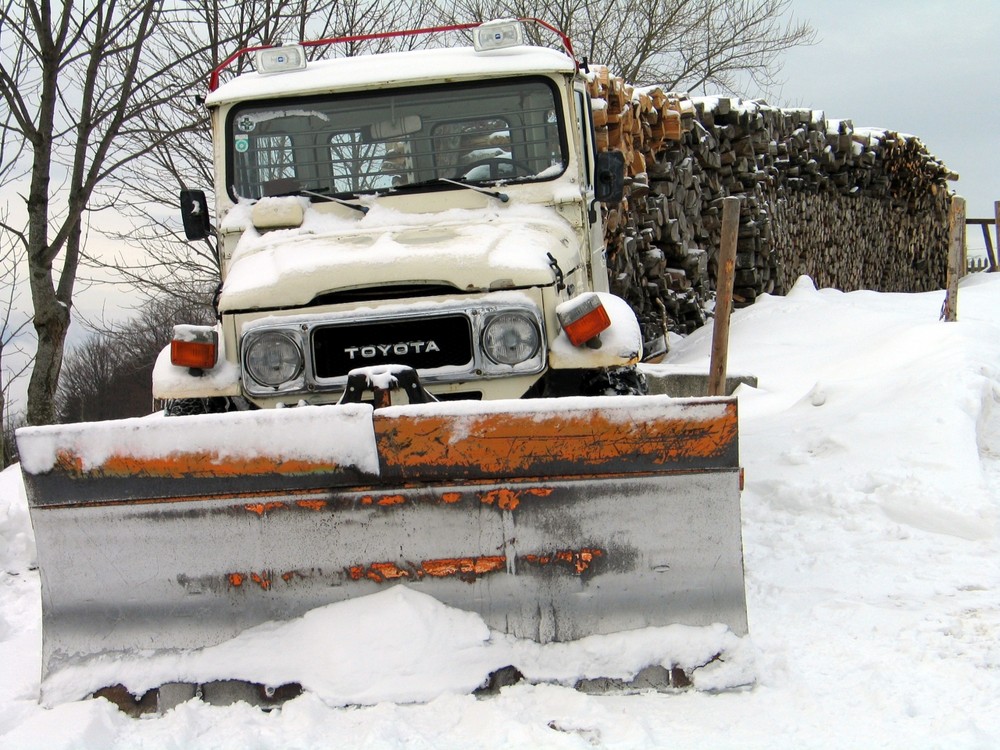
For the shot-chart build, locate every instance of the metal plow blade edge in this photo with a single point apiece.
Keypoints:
(553, 519)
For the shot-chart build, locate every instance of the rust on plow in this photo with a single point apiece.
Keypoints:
(466, 568)
(383, 500)
(504, 498)
(579, 560)
(311, 504)
(472, 568)
(427, 445)
(583, 441)
(424, 446)
(262, 508)
(508, 499)
(185, 464)
(574, 562)
(262, 579)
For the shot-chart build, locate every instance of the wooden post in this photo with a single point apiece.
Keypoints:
(724, 296)
(989, 247)
(996, 228)
(956, 252)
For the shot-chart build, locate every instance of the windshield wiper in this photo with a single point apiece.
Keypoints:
(332, 199)
(288, 186)
(502, 197)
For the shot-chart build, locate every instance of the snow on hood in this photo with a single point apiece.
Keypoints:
(469, 249)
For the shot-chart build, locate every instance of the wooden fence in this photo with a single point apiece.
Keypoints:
(989, 263)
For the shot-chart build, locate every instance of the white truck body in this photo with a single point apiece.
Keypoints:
(415, 270)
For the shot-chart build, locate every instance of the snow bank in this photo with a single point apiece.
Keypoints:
(871, 540)
(403, 646)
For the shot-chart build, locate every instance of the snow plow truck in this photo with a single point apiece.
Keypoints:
(418, 377)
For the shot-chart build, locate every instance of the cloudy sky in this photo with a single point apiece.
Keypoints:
(926, 67)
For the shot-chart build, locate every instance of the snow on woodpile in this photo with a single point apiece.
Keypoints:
(854, 208)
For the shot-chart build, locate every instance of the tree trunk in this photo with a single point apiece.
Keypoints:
(3, 420)
(51, 324)
(52, 318)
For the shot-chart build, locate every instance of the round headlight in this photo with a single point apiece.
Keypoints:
(510, 338)
(273, 358)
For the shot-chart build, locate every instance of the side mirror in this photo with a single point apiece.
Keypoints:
(609, 183)
(194, 214)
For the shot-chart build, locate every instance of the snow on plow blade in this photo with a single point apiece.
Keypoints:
(553, 519)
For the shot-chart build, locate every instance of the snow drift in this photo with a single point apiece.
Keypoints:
(872, 553)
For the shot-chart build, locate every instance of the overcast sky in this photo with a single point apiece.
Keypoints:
(930, 68)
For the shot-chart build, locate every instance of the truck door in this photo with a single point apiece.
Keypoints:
(585, 129)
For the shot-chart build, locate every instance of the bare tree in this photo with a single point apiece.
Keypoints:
(109, 376)
(69, 130)
(147, 190)
(680, 44)
(87, 87)
(13, 325)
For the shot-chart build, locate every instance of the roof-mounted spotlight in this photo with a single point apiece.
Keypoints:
(506, 32)
(280, 59)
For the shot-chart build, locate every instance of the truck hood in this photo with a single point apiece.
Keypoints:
(470, 250)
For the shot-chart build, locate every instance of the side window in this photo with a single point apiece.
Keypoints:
(586, 141)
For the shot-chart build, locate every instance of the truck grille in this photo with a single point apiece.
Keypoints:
(422, 344)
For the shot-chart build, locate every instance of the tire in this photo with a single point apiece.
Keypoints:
(183, 407)
(615, 381)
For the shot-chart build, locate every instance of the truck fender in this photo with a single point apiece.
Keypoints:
(620, 344)
(172, 382)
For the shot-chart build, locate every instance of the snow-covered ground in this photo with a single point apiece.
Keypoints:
(872, 455)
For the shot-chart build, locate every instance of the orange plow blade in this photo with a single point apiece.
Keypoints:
(553, 519)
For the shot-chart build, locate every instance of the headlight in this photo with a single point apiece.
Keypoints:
(273, 358)
(510, 338)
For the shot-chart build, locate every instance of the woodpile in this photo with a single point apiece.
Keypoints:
(853, 208)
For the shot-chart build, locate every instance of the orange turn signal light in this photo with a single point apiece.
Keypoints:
(585, 320)
(200, 355)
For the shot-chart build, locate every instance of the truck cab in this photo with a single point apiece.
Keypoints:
(434, 209)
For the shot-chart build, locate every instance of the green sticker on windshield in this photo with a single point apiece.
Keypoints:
(242, 143)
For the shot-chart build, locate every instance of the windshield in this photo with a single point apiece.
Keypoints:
(382, 140)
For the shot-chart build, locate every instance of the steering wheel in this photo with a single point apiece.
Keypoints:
(500, 167)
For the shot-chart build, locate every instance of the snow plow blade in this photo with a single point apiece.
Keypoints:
(553, 519)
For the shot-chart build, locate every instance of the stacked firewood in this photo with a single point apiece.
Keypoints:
(853, 208)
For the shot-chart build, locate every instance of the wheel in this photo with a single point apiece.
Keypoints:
(183, 407)
(605, 381)
(615, 381)
(499, 168)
